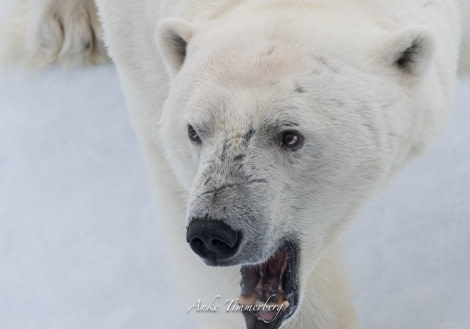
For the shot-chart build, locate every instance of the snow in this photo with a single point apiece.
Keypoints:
(79, 244)
(78, 241)
(409, 251)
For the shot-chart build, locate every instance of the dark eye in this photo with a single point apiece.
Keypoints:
(193, 136)
(291, 139)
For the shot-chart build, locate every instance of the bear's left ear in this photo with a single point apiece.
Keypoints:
(409, 50)
(173, 35)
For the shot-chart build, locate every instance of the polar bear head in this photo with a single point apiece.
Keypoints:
(280, 126)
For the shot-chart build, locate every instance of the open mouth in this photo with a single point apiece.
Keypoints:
(269, 291)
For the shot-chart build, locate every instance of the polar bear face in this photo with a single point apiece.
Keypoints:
(279, 136)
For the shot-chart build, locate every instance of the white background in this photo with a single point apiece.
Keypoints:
(79, 244)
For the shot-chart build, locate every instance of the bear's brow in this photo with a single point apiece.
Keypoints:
(278, 124)
(289, 124)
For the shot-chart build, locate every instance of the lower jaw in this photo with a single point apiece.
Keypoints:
(272, 321)
(270, 312)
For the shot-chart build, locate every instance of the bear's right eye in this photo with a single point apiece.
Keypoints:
(193, 136)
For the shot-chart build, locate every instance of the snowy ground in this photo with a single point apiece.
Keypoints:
(79, 245)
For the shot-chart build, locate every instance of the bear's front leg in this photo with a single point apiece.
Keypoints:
(45, 31)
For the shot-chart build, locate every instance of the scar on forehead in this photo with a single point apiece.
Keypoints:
(269, 51)
(325, 62)
(299, 88)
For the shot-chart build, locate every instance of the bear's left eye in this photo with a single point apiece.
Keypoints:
(193, 136)
(291, 140)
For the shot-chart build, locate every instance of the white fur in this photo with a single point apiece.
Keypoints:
(363, 115)
(42, 32)
(464, 64)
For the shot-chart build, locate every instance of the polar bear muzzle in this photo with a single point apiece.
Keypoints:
(269, 291)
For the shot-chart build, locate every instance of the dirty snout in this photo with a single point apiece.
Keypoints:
(228, 209)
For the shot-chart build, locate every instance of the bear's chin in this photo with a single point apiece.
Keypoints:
(269, 291)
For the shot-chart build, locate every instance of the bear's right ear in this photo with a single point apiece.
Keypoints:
(173, 36)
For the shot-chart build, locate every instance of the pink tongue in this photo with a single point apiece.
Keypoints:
(266, 316)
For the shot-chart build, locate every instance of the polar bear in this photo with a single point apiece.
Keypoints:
(265, 126)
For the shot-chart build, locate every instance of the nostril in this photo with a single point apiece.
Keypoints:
(212, 239)
(198, 242)
(219, 244)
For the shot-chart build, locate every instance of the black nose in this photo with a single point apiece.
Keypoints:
(213, 240)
